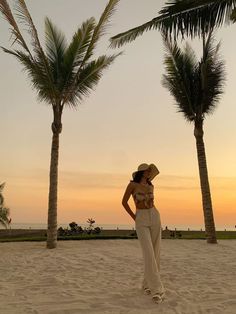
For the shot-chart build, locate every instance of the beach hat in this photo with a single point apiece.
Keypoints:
(153, 170)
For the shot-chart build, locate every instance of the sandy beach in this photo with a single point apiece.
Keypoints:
(104, 276)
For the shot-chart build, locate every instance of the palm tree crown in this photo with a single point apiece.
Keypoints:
(196, 86)
(63, 74)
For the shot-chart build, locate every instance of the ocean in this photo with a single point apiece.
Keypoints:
(115, 226)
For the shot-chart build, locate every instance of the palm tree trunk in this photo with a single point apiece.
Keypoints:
(205, 187)
(53, 181)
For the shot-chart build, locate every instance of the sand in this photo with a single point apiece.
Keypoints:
(104, 276)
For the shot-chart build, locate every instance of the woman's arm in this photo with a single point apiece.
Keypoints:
(126, 197)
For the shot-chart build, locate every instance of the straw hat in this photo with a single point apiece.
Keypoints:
(153, 170)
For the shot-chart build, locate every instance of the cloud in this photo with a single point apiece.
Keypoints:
(39, 179)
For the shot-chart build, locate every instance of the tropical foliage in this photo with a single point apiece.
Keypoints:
(196, 87)
(185, 17)
(75, 229)
(4, 211)
(62, 74)
(191, 17)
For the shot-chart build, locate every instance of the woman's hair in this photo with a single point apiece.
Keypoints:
(138, 176)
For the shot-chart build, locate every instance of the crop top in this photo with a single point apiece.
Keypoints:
(145, 197)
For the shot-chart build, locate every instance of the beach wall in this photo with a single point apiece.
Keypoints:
(166, 234)
(8, 233)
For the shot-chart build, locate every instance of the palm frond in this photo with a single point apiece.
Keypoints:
(2, 185)
(128, 36)
(3, 223)
(180, 77)
(4, 214)
(98, 31)
(1, 199)
(1, 196)
(101, 27)
(233, 16)
(76, 51)
(80, 42)
(185, 17)
(36, 72)
(55, 42)
(56, 47)
(4, 211)
(15, 31)
(212, 73)
(89, 77)
(191, 17)
(25, 18)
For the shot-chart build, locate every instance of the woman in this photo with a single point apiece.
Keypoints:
(148, 227)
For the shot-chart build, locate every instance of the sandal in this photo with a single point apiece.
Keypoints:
(158, 297)
(147, 291)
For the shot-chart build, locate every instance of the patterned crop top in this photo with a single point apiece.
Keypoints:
(145, 197)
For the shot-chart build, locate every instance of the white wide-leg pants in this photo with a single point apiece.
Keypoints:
(148, 228)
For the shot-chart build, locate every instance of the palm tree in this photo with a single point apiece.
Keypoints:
(4, 211)
(185, 17)
(196, 88)
(62, 75)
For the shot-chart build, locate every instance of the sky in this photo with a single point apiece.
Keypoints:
(130, 118)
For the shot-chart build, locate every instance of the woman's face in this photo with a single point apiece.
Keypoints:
(146, 173)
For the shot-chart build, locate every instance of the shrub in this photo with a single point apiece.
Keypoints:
(78, 230)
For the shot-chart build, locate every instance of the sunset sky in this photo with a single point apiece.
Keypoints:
(130, 118)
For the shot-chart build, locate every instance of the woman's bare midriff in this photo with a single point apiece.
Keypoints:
(142, 206)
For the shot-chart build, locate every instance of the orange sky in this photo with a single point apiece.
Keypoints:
(84, 195)
(127, 120)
